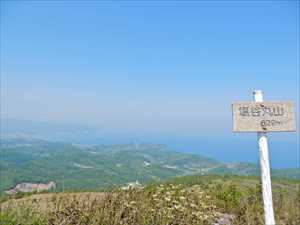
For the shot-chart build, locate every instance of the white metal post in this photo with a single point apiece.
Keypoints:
(265, 169)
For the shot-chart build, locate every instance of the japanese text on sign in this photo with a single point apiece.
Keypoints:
(264, 116)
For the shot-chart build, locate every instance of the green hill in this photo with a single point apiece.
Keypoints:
(98, 167)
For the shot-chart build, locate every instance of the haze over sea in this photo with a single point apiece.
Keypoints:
(284, 151)
(159, 72)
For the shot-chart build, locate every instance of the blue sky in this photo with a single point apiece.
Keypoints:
(164, 69)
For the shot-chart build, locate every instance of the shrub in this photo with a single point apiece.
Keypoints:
(161, 205)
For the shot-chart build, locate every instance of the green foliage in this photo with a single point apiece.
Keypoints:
(98, 167)
(228, 195)
(183, 200)
(292, 173)
(71, 167)
(160, 204)
(24, 216)
(241, 196)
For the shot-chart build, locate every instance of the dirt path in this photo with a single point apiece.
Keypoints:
(44, 202)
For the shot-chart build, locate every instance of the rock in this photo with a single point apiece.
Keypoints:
(31, 187)
(132, 185)
(225, 219)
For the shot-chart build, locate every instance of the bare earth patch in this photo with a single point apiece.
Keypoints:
(45, 202)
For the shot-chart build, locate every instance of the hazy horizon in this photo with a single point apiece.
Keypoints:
(231, 148)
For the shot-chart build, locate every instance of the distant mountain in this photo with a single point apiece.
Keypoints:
(52, 131)
(93, 167)
(290, 173)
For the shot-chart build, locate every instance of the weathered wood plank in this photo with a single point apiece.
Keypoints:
(263, 116)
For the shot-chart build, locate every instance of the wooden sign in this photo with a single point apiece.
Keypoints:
(263, 116)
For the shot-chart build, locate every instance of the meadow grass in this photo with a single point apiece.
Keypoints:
(186, 200)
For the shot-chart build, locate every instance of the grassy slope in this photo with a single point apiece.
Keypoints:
(236, 195)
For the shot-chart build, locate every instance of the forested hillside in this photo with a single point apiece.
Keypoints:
(95, 167)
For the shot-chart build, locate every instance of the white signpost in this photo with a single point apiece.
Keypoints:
(263, 117)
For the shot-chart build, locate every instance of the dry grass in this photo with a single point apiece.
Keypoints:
(163, 205)
(46, 202)
(186, 201)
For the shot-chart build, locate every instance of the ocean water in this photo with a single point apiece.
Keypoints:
(284, 148)
(284, 151)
